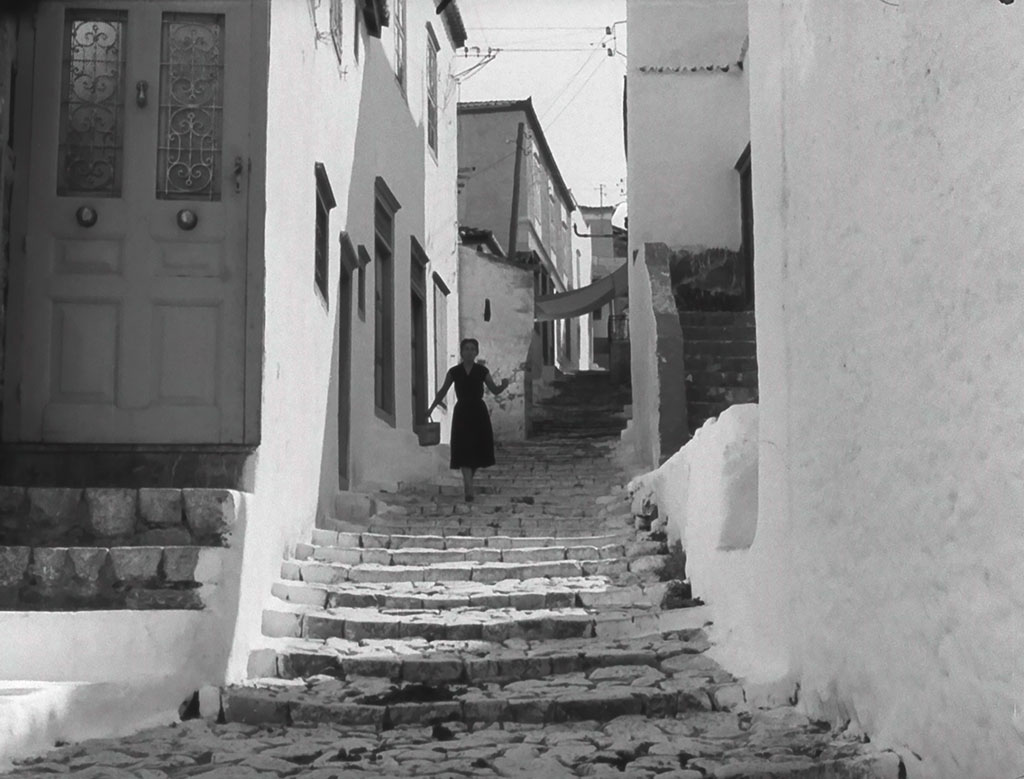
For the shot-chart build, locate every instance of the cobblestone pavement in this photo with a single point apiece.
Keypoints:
(527, 633)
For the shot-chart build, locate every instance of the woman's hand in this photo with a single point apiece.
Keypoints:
(504, 385)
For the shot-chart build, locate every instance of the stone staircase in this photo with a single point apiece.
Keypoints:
(538, 631)
(530, 604)
(720, 356)
(581, 405)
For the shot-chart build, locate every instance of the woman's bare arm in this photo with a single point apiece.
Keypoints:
(441, 393)
(495, 388)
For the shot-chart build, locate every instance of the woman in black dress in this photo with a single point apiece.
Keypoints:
(472, 442)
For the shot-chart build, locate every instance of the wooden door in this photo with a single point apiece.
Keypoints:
(131, 326)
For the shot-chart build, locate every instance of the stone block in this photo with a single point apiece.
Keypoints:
(136, 563)
(252, 707)
(50, 566)
(438, 669)
(87, 562)
(377, 666)
(281, 624)
(339, 714)
(110, 512)
(300, 665)
(14, 561)
(54, 507)
(480, 708)
(179, 563)
(323, 626)
(210, 514)
(161, 507)
(165, 536)
(421, 713)
(262, 662)
(145, 600)
(13, 501)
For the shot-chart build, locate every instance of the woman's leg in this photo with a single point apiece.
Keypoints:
(467, 482)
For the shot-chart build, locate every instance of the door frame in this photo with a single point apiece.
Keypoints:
(253, 249)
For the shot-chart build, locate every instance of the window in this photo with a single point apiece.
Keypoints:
(91, 151)
(440, 331)
(385, 207)
(336, 25)
(432, 78)
(400, 49)
(598, 312)
(418, 322)
(324, 203)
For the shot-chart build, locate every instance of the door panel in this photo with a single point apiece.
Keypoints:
(134, 265)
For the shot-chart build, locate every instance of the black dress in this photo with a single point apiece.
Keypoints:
(472, 443)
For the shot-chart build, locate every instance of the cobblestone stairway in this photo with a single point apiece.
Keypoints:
(533, 632)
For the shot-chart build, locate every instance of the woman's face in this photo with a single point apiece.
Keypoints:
(469, 352)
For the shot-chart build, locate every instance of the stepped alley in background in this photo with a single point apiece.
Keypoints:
(542, 630)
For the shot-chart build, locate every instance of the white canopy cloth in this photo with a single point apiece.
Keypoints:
(577, 302)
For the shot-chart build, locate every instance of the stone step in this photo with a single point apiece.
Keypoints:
(713, 318)
(720, 332)
(680, 684)
(697, 378)
(724, 348)
(725, 395)
(528, 528)
(414, 556)
(84, 578)
(417, 660)
(322, 572)
(367, 540)
(720, 362)
(292, 620)
(569, 592)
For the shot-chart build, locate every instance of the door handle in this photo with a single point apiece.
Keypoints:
(239, 171)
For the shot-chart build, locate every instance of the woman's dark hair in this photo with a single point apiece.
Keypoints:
(466, 341)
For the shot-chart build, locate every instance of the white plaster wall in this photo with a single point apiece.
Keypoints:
(296, 468)
(441, 209)
(888, 178)
(584, 265)
(504, 339)
(686, 131)
(643, 356)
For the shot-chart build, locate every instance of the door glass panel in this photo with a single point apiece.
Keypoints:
(90, 155)
(191, 107)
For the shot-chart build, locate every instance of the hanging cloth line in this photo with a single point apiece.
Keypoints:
(577, 302)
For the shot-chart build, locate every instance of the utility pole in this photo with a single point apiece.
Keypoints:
(600, 189)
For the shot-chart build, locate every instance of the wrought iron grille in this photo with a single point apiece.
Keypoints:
(191, 107)
(91, 147)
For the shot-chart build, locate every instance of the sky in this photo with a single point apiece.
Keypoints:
(576, 88)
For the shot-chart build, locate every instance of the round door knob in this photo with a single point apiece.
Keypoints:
(86, 216)
(187, 219)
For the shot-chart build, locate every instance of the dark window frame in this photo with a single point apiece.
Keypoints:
(401, 44)
(321, 253)
(441, 292)
(385, 207)
(364, 260)
(433, 84)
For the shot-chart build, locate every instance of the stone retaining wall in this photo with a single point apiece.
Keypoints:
(109, 517)
(80, 578)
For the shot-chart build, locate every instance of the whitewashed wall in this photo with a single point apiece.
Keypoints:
(506, 291)
(323, 110)
(686, 132)
(888, 176)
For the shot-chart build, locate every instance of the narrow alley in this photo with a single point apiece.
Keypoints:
(537, 632)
